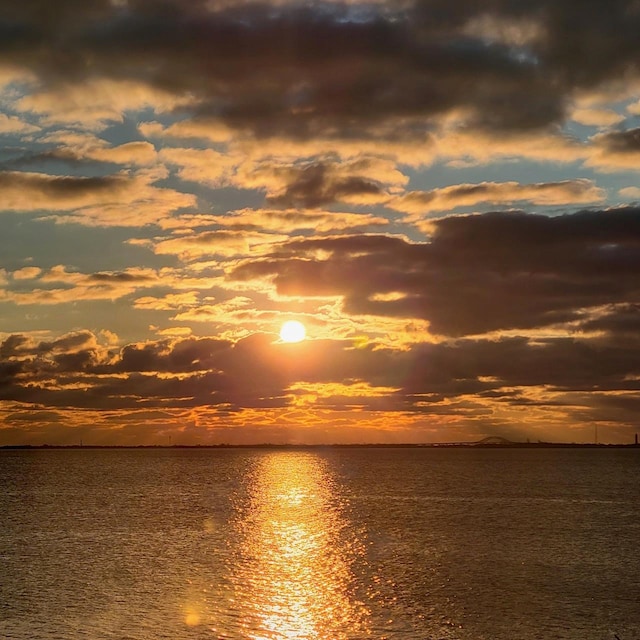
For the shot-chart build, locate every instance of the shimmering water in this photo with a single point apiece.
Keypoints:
(320, 544)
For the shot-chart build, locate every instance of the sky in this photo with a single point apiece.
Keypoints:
(445, 194)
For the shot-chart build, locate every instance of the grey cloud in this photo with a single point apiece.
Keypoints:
(620, 141)
(13, 346)
(120, 277)
(314, 186)
(68, 343)
(21, 191)
(60, 187)
(256, 373)
(325, 67)
(8, 371)
(187, 355)
(562, 363)
(76, 361)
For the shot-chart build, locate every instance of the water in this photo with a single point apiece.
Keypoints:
(320, 544)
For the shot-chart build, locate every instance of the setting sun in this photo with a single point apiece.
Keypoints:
(292, 331)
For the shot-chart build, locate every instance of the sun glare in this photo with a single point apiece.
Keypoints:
(292, 331)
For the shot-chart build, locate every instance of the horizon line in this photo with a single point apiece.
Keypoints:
(299, 445)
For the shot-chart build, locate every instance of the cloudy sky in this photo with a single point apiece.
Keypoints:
(445, 193)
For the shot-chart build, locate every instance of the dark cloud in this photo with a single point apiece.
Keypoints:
(13, 346)
(620, 141)
(118, 277)
(60, 187)
(8, 371)
(21, 191)
(78, 361)
(477, 274)
(71, 342)
(314, 186)
(187, 355)
(331, 67)
(561, 363)
(257, 373)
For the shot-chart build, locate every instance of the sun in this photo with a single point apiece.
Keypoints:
(292, 331)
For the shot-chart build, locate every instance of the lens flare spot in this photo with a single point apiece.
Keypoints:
(192, 618)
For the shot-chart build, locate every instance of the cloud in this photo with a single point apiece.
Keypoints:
(296, 220)
(26, 273)
(11, 73)
(77, 147)
(465, 195)
(621, 321)
(94, 102)
(69, 343)
(466, 378)
(14, 125)
(204, 166)
(171, 301)
(129, 153)
(224, 243)
(63, 286)
(596, 117)
(13, 346)
(463, 147)
(114, 200)
(630, 192)
(80, 149)
(313, 187)
(313, 184)
(621, 141)
(235, 312)
(24, 191)
(616, 150)
(268, 68)
(477, 274)
(209, 129)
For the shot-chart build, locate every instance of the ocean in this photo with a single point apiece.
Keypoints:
(320, 544)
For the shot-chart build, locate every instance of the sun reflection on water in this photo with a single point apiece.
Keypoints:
(294, 574)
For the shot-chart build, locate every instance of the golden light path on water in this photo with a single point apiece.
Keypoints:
(294, 577)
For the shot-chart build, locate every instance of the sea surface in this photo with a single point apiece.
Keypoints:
(320, 544)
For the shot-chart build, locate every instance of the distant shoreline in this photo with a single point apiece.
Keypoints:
(434, 445)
